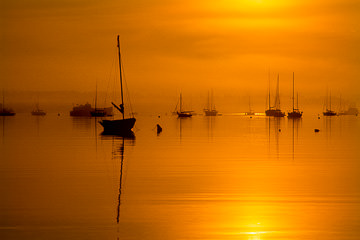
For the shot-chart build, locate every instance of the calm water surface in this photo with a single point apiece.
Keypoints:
(225, 177)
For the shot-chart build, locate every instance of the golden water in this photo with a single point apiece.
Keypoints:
(225, 177)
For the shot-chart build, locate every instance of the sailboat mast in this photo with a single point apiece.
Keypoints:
(293, 90)
(121, 84)
(269, 89)
(208, 102)
(3, 104)
(330, 100)
(326, 99)
(277, 98)
(180, 102)
(95, 95)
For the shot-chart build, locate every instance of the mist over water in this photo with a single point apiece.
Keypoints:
(160, 103)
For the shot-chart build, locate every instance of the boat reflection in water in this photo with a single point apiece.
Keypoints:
(121, 154)
(118, 159)
(294, 124)
(275, 125)
(184, 125)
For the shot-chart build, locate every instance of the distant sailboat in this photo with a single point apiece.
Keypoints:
(250, 112)
(296, 113)
(210, 110)
(121, 126)
(181, 113)
(5, 111)
(82, 110)
(100, 112)
(275, 111)
(328, 111)
(37, 111)
(341, 110)
(352, 110)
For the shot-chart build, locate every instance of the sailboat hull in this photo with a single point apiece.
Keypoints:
(274, 113)
(329, 113)
(122, 126)
(98, 114)
(38, 113)
(7, 113)
(184, 114)
(210, 112)
(294, 114)
(101, 112)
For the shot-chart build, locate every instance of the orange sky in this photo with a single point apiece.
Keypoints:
(188, 46)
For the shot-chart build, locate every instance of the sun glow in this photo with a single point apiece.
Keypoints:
(252, 5)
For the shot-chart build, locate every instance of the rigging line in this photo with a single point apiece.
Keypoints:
(176, 107)
(109, 77)
(128, 99)
(131, 113)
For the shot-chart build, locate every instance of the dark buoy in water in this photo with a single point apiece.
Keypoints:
(158, 128)
(58, 114)
(279, 130)
(316, 130)
(250, 116)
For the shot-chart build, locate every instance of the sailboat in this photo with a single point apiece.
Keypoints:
(120, 126)
(250, 112)
(181, 113)
(328, 111)
(100, 112)
(37, 111)
(275, 111)
(210, 110)
(296, 113)
(352, 110)
(5, 111)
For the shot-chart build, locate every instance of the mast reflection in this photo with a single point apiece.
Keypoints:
(184, 124)
(82, 123)
(121, 151)
(210, 123)
(118, 153)
(328, 127)
(295, 124)
(5, 122)
(3, 129)
(275, 125)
